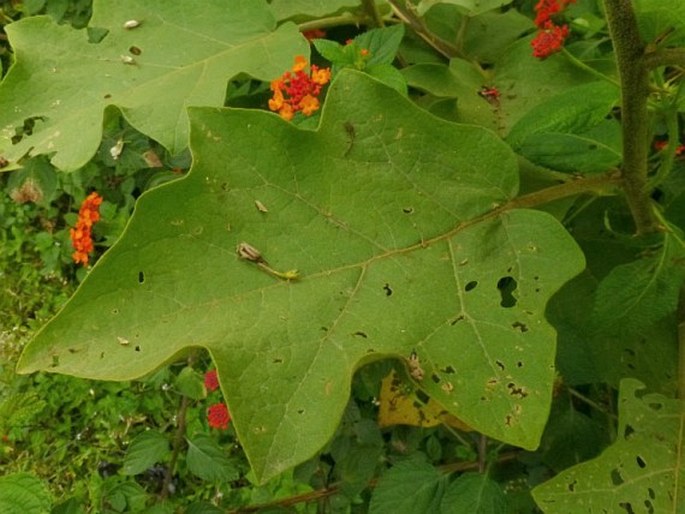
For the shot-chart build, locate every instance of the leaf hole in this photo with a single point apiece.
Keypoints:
(135, 50)
(628, 431)
(519, 392)
(616, 477)
(55, 361)
(470, 286)
(115, 311)
(277, 361)
(500, 365)
(423, 397)
(300, 411)
(137, 348)
(359, 333)
(640, 462)
(435, 378)
(102, 355)
(519, 364)
(408, 210)
(650, 507)
(449, 370)
(507, 285)
(141, 277)
(572, 486)
(651, 493)
(387, 289)
(627, 507)
(520, 326)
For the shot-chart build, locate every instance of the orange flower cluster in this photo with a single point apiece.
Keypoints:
(661, 145)
(81, 238)
(301, 89)
(551, 37)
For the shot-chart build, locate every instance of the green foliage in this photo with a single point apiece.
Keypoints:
(641, 469)
(151, 72)
(22, 493)
(452, 220)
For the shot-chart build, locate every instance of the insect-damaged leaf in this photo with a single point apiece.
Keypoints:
(177, 55)
(641, 472)
(387, 214)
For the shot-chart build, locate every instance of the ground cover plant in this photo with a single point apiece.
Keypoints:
(339, 256)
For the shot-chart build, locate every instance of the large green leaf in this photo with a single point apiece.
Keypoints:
(186, 55)
(641, 472)
(391, 217)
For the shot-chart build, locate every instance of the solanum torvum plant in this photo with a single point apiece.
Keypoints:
(487, 194)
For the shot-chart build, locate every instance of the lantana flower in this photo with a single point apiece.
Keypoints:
(296, 91)
(218, 416)
(551, 37)
(81, 234)
(211, 380)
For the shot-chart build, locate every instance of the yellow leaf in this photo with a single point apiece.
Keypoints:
(399, 405)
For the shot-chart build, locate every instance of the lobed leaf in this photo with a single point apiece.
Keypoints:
(178, 56)
(394, 220)
(641, 472)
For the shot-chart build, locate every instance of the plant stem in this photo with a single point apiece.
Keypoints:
(335, 488)
(630, 50)
(580, 64)
(681, 343)
(665, 57)
(372, 11)
(408, 16)
(176, 445)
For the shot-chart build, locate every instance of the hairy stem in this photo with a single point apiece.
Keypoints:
(630, 50)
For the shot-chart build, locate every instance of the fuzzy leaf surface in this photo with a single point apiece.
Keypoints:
(399, 248)
(641, 472)
(186, 55)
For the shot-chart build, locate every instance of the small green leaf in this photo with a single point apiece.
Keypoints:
(574, 111)
(390, 76)
(410, 486)
(473, 493)
(23, 493)
(209, 461)
(203, 508)
(190, 383)
(640, 293)
(145, 450)
(382, 44)
(642, 471)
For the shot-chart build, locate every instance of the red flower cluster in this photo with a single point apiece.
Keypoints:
(301, 89)
(314, 34)
(218, 416)
(211, 380)
(660, 145)
(550, 38)
(81, 238)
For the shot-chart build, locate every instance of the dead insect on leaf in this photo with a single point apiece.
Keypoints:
(123, 341)
(131, 24)
(260, 206)
(415, 369)
(127, 59)
(249, 253)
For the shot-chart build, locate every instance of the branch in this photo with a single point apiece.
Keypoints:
(335, 488)
(665, 57)
(630, 50)
(408, 16)
(681, 343)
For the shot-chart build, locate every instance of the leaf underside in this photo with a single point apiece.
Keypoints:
(389, 214)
